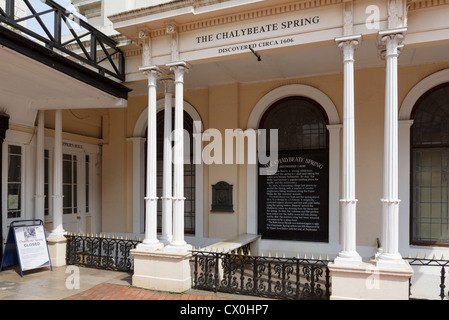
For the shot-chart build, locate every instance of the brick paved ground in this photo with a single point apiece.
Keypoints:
(107, 291)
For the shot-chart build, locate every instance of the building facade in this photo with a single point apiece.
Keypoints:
(356, 93)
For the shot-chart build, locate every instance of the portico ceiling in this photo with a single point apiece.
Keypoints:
(27, 85)
(294, 64)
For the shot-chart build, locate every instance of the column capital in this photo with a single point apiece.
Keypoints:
(168, 81)
(179, 65)
(153, 73)
(389, 42)
(151, 70)
(348, 44)
(352, 40)
(397, 33)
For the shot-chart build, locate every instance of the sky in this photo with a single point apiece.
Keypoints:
(40, 6)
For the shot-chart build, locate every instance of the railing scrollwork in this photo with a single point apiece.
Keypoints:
(274, 277)
(103, 252)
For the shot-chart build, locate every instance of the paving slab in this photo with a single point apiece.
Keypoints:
(81, 283)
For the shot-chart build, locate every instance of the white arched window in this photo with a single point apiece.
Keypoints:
(333, 127)
(293, 204)
(139, 154)
(430, 168)
(422, 174)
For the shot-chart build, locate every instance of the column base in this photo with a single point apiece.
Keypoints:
(166, 240)
(368, 281)
(57, 234)
(178, 247)
(150, 245)
(386, 260)
(162, 270)
(57, 249)
(348, 258)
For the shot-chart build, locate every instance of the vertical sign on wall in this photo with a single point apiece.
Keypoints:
(294, 202)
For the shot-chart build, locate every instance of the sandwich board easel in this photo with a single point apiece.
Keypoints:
(26, 245)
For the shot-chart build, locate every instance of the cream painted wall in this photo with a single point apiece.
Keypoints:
(228, 107)
(223, 114)
(114, 215)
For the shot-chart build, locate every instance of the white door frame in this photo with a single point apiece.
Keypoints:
(79, 216)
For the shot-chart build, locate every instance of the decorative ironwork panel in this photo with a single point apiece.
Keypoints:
(274, 277)
(443, 264)
(101, 252)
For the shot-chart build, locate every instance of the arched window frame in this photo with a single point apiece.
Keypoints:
(404, 136)
(189, 127)
(413, 148)
(138, 142)
(301, 146)
(334, 129)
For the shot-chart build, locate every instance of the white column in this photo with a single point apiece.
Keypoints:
(404, 183)
(167, 185)
(348, 254)
(390, 201)
(334, 131)
(178, 241)
(151, 242)
(39, 198)
(58, 229)
(138, 183)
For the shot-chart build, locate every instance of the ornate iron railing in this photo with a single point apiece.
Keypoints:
(103, 252)
(83, 42)
(434, 262)
(273, 277)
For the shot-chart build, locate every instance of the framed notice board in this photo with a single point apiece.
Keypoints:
(26, 245)
(294, 202)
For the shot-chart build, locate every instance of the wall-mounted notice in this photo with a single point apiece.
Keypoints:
(294, 202)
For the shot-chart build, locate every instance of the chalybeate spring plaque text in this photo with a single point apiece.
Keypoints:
(294, 202)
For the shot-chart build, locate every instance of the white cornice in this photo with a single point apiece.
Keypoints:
(192, 7)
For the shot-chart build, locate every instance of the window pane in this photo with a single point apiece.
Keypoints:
(430, 165)
(431, 121)
(46, 182)
(300, 124)
(14, 168)
(189, 173)
(430, 195)
(15, 149)
(67, 171)
(69, 184)
(87, 182)
(67, 200)
(14, 181)
(14, 196)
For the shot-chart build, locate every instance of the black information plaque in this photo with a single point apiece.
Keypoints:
(294, 202)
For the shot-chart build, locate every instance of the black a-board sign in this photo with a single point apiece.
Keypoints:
(26, 246)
